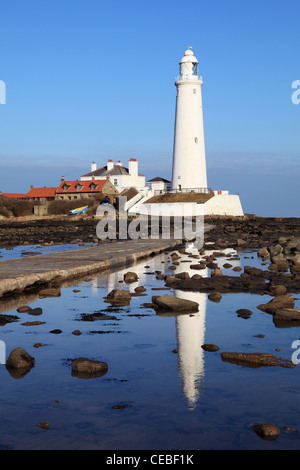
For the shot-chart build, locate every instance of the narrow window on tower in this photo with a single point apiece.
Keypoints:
(196, 140)
(194, 91)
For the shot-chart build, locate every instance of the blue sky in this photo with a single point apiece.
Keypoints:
(91, 80)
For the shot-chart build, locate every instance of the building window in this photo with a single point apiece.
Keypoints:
(196, 140)
(115, 181)
(194, 91)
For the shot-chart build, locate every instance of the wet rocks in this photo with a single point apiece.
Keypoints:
(88, 368)
(286, 317)
(215, 296)
(130, 277)
(23, 309)
(19, 359)
(267, 431)
(279, 302)
(210, 347)
(140, 289)
(254, 360)
(119, 297)
(50, 292)
(167, 303)
(44, 425)
(244, 313)
(4, 319)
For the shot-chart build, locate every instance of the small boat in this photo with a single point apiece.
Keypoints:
(79, 210)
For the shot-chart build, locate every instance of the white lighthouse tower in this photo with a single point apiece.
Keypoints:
(189, 163)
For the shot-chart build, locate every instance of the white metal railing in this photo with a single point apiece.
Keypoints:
(187, 76)
(158, 192)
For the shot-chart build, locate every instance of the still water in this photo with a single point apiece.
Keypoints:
(162, 390)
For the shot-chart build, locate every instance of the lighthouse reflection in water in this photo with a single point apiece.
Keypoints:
(190, 328)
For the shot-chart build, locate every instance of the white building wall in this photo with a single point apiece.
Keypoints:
(228, 204)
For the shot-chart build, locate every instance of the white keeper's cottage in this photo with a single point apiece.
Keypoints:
(120, 176)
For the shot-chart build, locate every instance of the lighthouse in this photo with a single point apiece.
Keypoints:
(189, 163)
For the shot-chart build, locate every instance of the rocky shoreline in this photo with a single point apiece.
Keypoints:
(249, 231)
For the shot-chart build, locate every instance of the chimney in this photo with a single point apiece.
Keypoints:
(133, 167)
(31, 186)
(93, 166)
(110, 165)
(62, 179)
(119, 163)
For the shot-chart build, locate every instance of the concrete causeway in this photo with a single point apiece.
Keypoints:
(19, 274)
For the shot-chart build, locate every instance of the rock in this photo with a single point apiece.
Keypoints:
(171, 303)
(7, 319)
(140, 289)
(119, 296)
(215, 296)
(35, 311)
(50, 292)
(198, 266)
(277, 290)
(76, 332)
(33, 323)
(237, 268)
(267, 431)
(23, 309)
(252, 271)
(172, 279)
(287, 314)
(244, 312)
(279, 302)
(216, 272)
(183, 275)
(130, 277)
(210, 347)
(254, 360)
(263, 253)
(19, 359)
(296, 260)
(88, 368)
(56, 331)
(44, 425)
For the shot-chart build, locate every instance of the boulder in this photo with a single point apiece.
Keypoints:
(50, 292)
(215, 296)
(19, 359)
(7, 319)
(23, 309)
(216, 272)
(88, 368)
(277, 290)
(279, 302)
(254, 360)
(119, 296)
(210, 347)
(130, 277)
(140, 289)
(267, 431)
(175, 304)
(263, 253)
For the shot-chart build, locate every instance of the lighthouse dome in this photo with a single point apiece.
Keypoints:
(189, 57)
(188, 66)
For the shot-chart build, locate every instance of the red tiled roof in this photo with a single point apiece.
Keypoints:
(15, 195)
(86, 186)
(41, 192)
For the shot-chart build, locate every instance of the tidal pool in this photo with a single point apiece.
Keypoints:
(162, 390)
